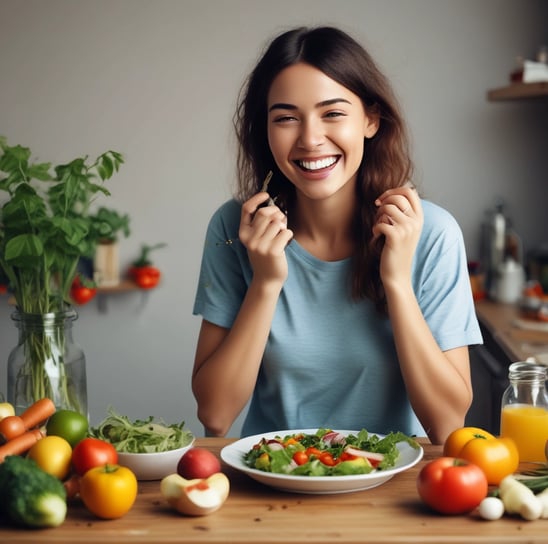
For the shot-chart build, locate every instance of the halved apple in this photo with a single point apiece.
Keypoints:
(197, 497)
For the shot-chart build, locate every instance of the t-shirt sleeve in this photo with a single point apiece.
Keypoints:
(222, 280)
(443, 284)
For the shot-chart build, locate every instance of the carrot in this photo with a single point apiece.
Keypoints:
(38, 412)
(72, 486)
(20, 444)
(10, 427)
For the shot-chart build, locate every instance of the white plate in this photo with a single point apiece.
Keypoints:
(233, 455)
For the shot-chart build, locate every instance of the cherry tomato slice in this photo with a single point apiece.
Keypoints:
(300, 457)
(327, 459)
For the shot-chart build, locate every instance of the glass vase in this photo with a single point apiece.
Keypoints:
(47, 363)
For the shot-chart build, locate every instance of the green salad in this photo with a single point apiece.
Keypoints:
(141, 436)
(326, 453)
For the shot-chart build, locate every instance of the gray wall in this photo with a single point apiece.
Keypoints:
(158, 81)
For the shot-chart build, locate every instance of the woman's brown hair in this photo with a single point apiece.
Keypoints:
(386, 162)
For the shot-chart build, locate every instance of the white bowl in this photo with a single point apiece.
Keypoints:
(153, 466)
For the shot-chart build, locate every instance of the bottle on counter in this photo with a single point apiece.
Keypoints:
(493, 246)
(502, 257)
(510, 282)
(524, 410)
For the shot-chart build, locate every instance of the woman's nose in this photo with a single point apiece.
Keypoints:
(311, 135)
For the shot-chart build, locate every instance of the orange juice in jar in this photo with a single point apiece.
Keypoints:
(524, 410)
(528, 427)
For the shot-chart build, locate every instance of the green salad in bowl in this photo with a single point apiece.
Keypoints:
(150, 448)
(141, 436)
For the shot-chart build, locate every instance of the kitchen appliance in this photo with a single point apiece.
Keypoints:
(501, 251)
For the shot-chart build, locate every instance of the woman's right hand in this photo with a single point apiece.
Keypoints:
(264, 233)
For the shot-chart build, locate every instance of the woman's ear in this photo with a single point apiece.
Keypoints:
(372, 122)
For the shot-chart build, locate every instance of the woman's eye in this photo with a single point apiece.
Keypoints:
(334, 114)
(284, 118)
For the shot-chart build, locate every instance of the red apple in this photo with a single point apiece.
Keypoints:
(198, 463)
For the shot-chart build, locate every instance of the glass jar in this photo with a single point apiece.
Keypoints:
(47, 363)
(524, 410)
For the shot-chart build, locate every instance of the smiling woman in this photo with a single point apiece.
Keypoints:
(330, 309)
(317, 142)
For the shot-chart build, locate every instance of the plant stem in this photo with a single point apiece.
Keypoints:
(43, 372)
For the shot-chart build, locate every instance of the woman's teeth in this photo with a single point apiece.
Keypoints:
(318, 164)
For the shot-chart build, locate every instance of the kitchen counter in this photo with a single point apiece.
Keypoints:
(255, 513)
(515, 342)
(504, 343)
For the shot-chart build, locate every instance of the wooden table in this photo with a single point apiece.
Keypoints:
(257, 514)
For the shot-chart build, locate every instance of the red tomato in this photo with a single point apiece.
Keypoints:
(92, 452)
(452, 486)
(146, 277)
(327, 459)
(345, 456)
(313, 451)
(300, 457)
(82, 292)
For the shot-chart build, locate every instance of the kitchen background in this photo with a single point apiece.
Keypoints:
(158, 82)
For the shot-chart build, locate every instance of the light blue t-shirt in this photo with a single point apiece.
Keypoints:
(331, 361)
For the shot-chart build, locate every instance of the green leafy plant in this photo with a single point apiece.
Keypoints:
(45, 225)
(144, 257)
(45, 228)
(107, 225)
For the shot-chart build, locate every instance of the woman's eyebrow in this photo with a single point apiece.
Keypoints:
(282, 106)
(332, 101)
(323, 103)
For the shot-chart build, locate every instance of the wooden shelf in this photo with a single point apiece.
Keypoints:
(125, 285)
(122, 287)
(519, 91)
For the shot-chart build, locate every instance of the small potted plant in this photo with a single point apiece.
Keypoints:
(45, 228)
(142, 271)
(107, 225)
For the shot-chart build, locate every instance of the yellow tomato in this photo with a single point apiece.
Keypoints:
(459, 437)
(52, 454)
(497, 457)
(6, 409)
(108, 491)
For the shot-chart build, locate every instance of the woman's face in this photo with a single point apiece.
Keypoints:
(316, 130)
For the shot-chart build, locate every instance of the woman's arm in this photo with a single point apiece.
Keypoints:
(438, 383)
(227, 361)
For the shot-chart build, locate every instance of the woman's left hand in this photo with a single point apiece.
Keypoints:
(399, 220)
